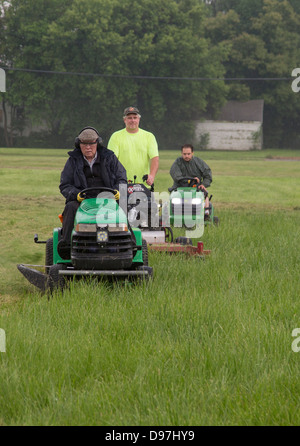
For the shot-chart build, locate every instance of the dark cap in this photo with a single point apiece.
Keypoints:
(88, 135)
(131, 110)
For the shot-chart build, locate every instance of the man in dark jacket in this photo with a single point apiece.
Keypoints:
(89, 165)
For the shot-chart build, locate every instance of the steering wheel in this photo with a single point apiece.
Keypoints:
(192, 181)
(80, 196)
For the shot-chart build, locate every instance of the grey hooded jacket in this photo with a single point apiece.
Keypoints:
(196, 167)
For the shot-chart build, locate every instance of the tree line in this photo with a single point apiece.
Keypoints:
(81, 62)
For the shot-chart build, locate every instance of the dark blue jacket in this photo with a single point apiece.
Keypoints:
(73, 180)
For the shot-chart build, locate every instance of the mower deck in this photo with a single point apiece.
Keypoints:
(112, 273)
(41, 280)
(179, 248)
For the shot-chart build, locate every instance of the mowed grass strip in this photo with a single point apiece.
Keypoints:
(206, 342)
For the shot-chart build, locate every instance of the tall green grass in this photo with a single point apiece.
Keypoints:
(205, 343)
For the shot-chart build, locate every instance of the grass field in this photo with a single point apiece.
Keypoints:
(205, 343)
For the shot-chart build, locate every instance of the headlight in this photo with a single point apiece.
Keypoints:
(117, 227)
(196, 201)
(85, 227)
(102, 236)
(176, 200)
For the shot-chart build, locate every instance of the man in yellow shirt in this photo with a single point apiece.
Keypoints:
(135, 148)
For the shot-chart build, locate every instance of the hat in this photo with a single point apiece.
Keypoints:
(88, 135)
(130, 110)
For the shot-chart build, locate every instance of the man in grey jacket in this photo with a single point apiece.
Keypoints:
(90, 164)
(188, 165)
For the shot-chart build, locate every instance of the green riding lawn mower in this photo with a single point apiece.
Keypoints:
(103, 244)
(156, 219)
(187, 205)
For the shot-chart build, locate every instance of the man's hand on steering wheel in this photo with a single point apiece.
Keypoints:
(84, 193)
(81, 196)
(116, 195)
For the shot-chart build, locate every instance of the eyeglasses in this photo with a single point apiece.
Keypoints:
(88, 143)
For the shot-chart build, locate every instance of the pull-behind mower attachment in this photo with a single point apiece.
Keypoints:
(183, 246)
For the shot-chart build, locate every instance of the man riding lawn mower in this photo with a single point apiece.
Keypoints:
(191, 176)
(96, 238)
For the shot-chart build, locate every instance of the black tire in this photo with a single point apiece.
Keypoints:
(168, 234)
(49, 255)
(216, 221)
(148, 276)
(184, 240)
(55, 280)
(145, 252)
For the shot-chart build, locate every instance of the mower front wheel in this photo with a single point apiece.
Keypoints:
(183, 240)
(149, 273)
(145, 252)
(216, 221)
(55, 280)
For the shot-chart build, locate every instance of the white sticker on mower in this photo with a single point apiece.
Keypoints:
(2, 341)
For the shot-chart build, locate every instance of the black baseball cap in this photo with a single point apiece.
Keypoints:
(131, 110)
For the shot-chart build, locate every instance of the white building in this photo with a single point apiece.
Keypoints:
(239, 126)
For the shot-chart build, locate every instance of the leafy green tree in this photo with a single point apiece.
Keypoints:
(110, 43)
(266, 47)
(144, 38)
(22, 28)
(278, 26)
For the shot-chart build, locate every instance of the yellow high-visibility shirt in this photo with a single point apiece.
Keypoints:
(134, 151)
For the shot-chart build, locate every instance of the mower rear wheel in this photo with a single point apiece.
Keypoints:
(49, 255)
(168, 234)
